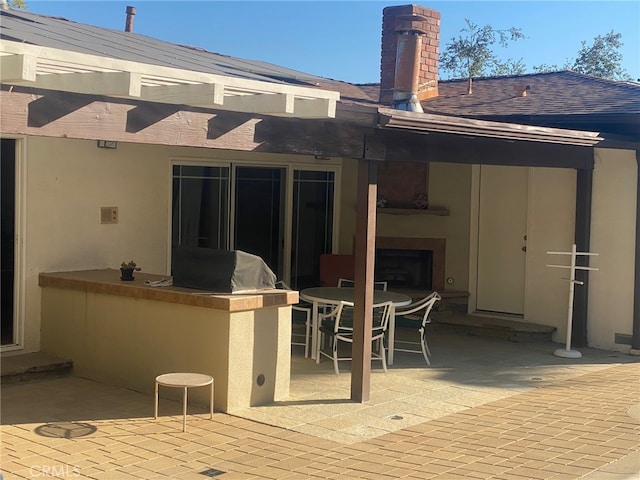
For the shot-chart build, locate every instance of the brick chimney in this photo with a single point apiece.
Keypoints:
(409, 61)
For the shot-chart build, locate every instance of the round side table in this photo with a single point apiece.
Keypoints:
(184, 381)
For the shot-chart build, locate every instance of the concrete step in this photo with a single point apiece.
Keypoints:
(33, 366)
(481, 326)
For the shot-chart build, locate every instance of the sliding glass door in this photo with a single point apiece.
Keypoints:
(246, 208)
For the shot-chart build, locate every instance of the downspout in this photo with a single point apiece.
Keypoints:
(635, 337)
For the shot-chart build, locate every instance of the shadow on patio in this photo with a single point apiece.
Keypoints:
(466, 371)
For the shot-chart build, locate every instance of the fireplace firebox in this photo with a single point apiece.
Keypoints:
(410, 269)
(429, 253)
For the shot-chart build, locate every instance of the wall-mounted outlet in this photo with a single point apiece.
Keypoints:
(108, 214)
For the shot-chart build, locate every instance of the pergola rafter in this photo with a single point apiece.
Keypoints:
(52, 69)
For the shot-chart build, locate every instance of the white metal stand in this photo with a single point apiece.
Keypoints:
(567, 352)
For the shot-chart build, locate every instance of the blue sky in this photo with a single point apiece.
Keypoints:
(341, 39)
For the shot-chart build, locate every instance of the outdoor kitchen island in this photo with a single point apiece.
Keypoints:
(125, 333)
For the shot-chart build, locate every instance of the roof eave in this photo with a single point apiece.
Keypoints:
(427, 122)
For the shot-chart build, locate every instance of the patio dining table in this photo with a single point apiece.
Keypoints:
(319, 296)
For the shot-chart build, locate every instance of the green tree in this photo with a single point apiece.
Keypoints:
(470, 54)
(508, 67)
(18, 4)
(601, 59)
(554, 67)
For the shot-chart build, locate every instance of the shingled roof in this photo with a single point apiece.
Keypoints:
(563, 98)
(537, 94)
(557, 99)
(63, 34)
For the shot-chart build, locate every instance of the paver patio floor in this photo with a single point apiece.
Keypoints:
(486, 408)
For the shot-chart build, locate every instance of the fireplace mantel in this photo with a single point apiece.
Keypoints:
(436, 245)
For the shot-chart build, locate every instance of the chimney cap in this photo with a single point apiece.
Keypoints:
(412, 23)
(412, 17)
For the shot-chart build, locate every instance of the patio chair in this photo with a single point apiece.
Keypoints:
(300, 313)
(418, 312)
(344, 282)
(338, 325)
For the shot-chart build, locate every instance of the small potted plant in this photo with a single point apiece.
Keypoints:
(127, 269)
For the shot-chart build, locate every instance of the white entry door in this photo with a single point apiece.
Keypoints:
(502, 230)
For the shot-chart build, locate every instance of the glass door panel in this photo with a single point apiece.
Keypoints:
(259, 214)
(200, 207)
(7, 253)
(312, 225)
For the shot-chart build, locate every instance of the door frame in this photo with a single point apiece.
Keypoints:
(474, 221)
(19, 287)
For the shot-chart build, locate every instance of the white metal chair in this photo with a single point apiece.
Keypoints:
(344, 282)
(304, 310)
(338, 324)
(418, 312)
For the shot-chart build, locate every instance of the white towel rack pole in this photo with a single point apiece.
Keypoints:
(567, 352)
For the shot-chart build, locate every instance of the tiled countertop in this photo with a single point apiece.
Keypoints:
(108, 282)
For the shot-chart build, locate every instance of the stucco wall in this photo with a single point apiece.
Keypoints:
(129, 341)
(550, 227)
(613, 238)
(67, 181)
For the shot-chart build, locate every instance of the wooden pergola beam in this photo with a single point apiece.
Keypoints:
(200, 94)
(17, 68)
(98, 83)
(261, 103)
(27, 111)
(465, 149)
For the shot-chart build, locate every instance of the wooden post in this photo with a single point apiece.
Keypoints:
(584, 189)
(363, 295)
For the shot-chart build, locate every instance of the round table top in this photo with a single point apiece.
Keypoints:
(345, 294)
(184, 379)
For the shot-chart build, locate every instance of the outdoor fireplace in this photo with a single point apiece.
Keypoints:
(411, 263)
(404, 268)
